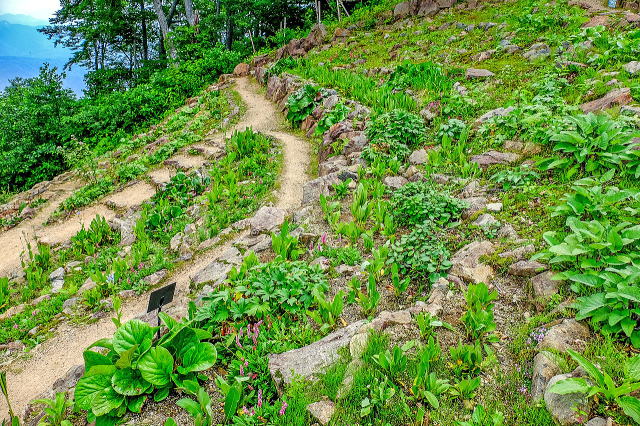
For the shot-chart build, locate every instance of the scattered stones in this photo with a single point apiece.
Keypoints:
(458, 87)
(16, 346)
(565, 409)
(358, 345)
(544, 286)
(322, 262)
(476, 204)
(472, 189)
(569, 333)
(526, 268)
(483, 56)
(58, 274)
(466, 262)
(544, 368)
(491, 158)
(537, 51)
(597, 21)
(427, 115)
(312, 359)
(478, 74)
(413, 8)
(632, 67)
(395, 182)
(266, 219)
(418, 157)
(613, 98)
(322, 411)
(341, 33)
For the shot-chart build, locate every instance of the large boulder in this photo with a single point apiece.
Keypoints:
(568, 334)
(544, 369)
(216, 272)
(478, 74)
(565, 409)
(266, 219)
(241, 70)
(491, 158)
(615, 97)
(310, 360)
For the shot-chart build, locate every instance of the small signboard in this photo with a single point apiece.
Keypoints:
(161, 297)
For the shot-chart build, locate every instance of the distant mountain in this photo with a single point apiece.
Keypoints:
(23, 50)
(23, 20)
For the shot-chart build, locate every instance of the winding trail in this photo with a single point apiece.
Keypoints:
(30, 377)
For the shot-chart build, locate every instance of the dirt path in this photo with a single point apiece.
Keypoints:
(29, 378)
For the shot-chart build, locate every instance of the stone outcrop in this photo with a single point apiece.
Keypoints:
(421, 7)
(615, 97)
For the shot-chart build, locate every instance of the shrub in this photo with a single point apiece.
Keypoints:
(394, 134)
(419, 201)
(420, 254)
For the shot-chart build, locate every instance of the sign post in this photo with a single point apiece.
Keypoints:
(159, 298)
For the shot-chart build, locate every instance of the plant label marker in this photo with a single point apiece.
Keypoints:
(159, 298)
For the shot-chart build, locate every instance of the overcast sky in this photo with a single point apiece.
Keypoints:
(41, 9)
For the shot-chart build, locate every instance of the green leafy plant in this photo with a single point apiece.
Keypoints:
(466, 360)
(417, 202)
(327, 312)
(393, 134)
(380, 394)
(285, 245)
(465, 389)
(400, 285)
(14, 420)
(200, 410)
(302, 103)
(55, 410)
(603, 386)
(513, 178)
(391, 362)
(369, 300)
(478, 319)
(483, 417)
(427, 324)
(336, 115)
(452, 129)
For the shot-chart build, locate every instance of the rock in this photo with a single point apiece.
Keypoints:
(598, 421)
(466, 262)
(630, 110)
(632, 67)
(458, 87)
(57, 285)
(387, 319)
(126, 228)
(427, 114)
(544, 285)
(341, 33)
(395, 182)
(14, 310)
(410, 172)
(491, 158)
(16, 346)
(544, 369)
(519, 253)
(125, 294)
(498, 112)
(494, 207)
(71, 266)
(418, 157)
(476, 204)
(507, 231)
(69, 304)
(483, 56)
(478, 74)
(567, 334)
(537, 51)
(613, 98)
(565, 409)
(311, 190)
(333, 164)
(39, 299)
(58, 274)
(27, 213)
(322, 411)
(89, 284)
(311, 359)
(434, 304)
(485, 220)
(176, 241)
(156, 277)
(526, 268)
(525, 148)
(266, 219)
(216, 272)
(322, 262)
(347, 381)
(231, 256)
(632, 18)
(596, 21)
(241, 70)
(358, 345)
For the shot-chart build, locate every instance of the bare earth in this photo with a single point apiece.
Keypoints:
(28, 378)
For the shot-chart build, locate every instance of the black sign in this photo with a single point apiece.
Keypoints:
(161, 297)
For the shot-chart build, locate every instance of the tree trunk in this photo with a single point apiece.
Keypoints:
(145, 41)
(164, 28)
(229, 37)
(188, 10)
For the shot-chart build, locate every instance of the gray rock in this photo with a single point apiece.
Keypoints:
(519, 253)
(494, 207)
(312, 359)
(156, 277)
(477, 73)
(216, 272)
(544, 368)
(473, 189)
(466, 262)
(176, 241)
(427, 114)
(387, 319)
(58, 274)
(544, 285)
(597, 421)
(631, 110)
(485, 220)
(476, 204)
(347, 381)
(418, 157)
(358, 345)
(395, 182)
(89, 284)
(436, 299)
(565, 408)
(266, 219)
(526, 268)
(322, 411)
(56, 285)
(490, 158)
(615, 97)
(322, 262)
(14, 310)
(632, 67)
(498, 112)
(507, 231)
(460, 88)
(69, 304)
(537, 51)
(232, 256)
(567, 334)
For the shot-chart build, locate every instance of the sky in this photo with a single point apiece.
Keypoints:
(41, 9)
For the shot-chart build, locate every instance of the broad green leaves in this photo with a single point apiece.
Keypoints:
(133, 333)
(156, 366)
